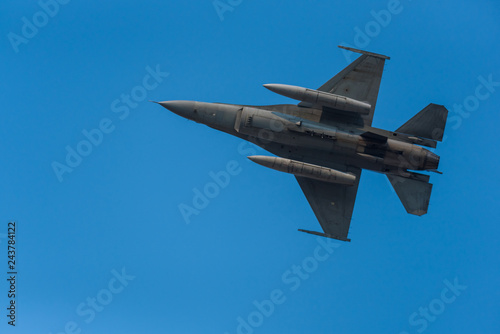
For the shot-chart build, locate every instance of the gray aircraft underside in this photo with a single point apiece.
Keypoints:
(327, 140)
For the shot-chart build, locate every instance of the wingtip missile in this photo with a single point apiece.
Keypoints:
(364, 52)
(324, 235)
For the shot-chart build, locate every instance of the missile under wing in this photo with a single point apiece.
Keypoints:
(332, 203)
(359, 81)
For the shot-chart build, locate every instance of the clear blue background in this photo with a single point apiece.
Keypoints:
(119, 208)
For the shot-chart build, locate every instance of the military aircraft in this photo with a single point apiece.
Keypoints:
(327, 139)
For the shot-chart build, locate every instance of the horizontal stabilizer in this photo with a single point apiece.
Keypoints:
(428, 123)
(413, 193)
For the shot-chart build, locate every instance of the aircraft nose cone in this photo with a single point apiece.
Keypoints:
(181, 108)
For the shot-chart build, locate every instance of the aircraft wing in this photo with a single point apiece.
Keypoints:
(332, 204)
(360, 81)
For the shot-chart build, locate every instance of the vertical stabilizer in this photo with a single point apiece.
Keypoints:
(428, 123)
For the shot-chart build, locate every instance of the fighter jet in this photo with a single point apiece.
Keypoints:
(327, 140)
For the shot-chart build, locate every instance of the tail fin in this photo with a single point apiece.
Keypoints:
(414, 192)
(428, 123)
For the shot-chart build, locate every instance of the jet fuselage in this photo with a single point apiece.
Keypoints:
(289, 130)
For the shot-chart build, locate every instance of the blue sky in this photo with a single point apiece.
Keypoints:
(102, 246)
